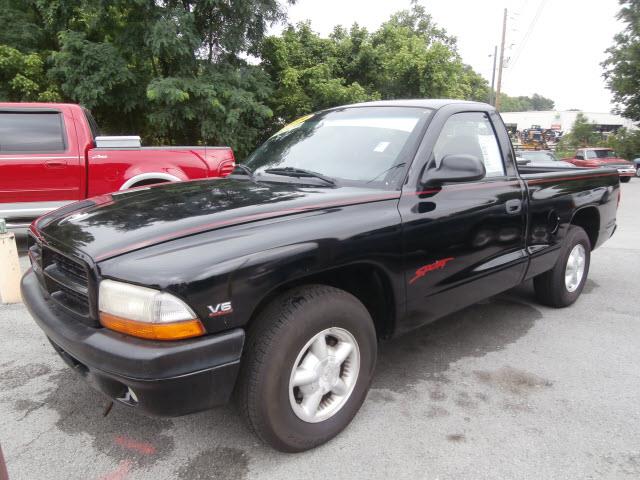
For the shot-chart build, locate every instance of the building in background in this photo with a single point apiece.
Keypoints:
(562, 121)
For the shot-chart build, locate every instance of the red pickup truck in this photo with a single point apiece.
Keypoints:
(51, 154)
(603, 157)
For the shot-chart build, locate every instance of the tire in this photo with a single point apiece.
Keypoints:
(638, 172)
(551, 287)
(277, 342)
(625, 179)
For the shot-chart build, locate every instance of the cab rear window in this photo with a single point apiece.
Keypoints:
(27, 132)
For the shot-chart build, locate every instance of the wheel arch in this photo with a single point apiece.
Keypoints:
(368, 282)
(588, 218)
(147, 178)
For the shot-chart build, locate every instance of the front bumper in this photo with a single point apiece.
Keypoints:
(627, 172)
(158, 378)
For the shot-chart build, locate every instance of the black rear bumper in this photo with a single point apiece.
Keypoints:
(158, 378)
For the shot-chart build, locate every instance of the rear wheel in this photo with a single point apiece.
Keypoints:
(309, 360)
(563, 284)
(625, 179)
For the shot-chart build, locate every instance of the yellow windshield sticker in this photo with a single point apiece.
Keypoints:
(296, 123)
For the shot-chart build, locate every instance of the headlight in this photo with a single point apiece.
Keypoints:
(146, 313)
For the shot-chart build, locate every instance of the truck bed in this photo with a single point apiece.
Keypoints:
(591, 193)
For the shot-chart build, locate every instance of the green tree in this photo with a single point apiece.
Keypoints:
(582, 134)
(538, 102)
(176, 71)
(626, 143)
(307, 71)
(172, 71)
(525, 103)
(583, 131)
(409, 56)
(22, 77)
(622, 64)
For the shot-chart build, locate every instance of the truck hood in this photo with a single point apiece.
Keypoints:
(110, 225)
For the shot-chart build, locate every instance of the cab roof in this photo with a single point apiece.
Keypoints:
(432, 103)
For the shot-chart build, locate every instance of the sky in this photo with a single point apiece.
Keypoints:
(554, 47)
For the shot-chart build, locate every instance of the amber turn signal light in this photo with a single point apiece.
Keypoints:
(153, 331)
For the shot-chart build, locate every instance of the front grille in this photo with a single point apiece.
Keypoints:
(35, 254)
(66, 279)
(76, 271)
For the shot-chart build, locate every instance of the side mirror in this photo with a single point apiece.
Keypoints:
(456, 168)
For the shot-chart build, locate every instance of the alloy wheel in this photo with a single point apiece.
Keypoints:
(324, 375)
(574, 270)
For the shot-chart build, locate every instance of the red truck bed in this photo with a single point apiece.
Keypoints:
(48, 158)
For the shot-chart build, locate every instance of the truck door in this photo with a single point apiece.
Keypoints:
(39, 162)
(463, 241)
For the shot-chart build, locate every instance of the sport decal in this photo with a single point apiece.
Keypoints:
(437, 265)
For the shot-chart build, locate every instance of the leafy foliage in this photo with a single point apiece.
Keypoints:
(177, 71)
(626, 143)
(172, 71)
(623, 62)
(409, 56)
(22, 77)
(582, 134)
(524, 103)
(307, 72)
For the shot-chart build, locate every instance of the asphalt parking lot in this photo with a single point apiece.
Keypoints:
(505, 389)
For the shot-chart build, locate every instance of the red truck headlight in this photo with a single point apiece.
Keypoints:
(145, 312)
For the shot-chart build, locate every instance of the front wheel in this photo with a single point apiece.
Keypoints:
(563, 284)
(625, 179)
(638, 172)
(309, 360)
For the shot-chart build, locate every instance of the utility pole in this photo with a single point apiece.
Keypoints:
(504, 32)
(492, 98)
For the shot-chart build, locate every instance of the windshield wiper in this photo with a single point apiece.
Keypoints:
(247, 171)
(401, 164)
(299, 173)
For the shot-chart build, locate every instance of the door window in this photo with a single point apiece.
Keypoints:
(470, 133)
(31, 132)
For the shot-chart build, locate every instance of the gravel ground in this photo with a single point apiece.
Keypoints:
(505, 389)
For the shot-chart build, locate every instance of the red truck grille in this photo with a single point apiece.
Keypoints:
(66, 280)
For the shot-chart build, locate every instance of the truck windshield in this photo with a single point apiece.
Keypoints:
(357, 145)
(601, 154)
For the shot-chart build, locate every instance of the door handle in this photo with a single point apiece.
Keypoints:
(513, 206)
(55, 163)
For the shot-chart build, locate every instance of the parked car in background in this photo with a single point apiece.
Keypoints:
(348, 226)
(603, 157)
(541, 158)
(51, 155)
(636, 165)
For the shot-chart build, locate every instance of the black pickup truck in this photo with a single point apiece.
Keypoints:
(348, 226)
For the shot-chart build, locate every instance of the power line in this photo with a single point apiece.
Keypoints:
(532, 25)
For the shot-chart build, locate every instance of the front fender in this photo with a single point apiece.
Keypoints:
(245, 263)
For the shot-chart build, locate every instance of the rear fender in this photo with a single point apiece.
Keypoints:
(144, 177)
